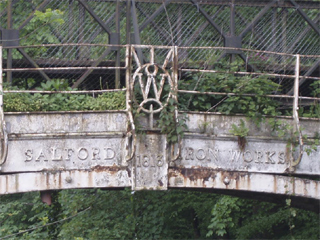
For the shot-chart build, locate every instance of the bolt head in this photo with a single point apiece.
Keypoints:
(226, 181)
(68, 179)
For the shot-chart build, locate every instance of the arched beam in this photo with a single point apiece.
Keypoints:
(243, 181)
(201, 179)
(100, 177)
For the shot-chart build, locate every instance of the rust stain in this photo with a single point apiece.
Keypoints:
(160, 183)
(7, 183)
(47, 181)
(275, 184)
(234, 175)
(237, 183)
(204, 174)
(98, 168)
(197, 173)
(60, 180)
(113, 168)
(90, 180)
(16, 179)
(14, 135)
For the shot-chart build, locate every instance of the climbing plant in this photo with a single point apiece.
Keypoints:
(171, 125)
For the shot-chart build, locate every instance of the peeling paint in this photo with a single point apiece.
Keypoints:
(85, 150)
(243, 181)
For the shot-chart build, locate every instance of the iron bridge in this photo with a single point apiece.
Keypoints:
(162, 54)
(63, 150)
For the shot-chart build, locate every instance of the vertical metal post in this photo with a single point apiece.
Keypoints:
(128, 105)
(131, 133)
(3, 131)
(1, 99)
(117, 22)
(175, 71)
(68, 38)
(175, 63)
(1, 80)
(137, 39)
(175, 78)
(128, 76)
(9, 50)
(82, 53)
(232, 25)
(295, 111)
(128, 23)
(296, 87)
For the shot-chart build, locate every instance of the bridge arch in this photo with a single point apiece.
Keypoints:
(304, 193)
(64, 150)
(94, 157)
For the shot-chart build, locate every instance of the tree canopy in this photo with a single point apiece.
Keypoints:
(172, 214)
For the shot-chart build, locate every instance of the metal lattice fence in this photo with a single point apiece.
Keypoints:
(83, 43)
(204, 83)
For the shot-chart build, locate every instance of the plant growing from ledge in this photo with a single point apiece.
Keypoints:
(241, 131)
(244, 94)
(312, 144)
(169, 125)
(26, 102)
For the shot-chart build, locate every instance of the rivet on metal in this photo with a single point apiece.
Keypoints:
(226, 181)
(68, 179)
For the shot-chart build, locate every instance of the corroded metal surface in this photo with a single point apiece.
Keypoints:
(87, 150)
(243, 181)
(98, 177)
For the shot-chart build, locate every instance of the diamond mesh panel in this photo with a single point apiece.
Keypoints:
(78, 32)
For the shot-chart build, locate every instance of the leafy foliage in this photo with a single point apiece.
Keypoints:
(145, 215)
(236, 218)
(172, 214)
(22, 211)
(168, 124)
(241, 131)
(52, 16)
(242, 86)
(314, 109)
(25, 102)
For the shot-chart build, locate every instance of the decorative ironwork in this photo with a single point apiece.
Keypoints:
(151, 78)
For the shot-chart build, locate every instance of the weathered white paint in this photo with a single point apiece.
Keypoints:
(86, 149)
(120, 178)
(254, 182)
(38, 181)
(150, 163)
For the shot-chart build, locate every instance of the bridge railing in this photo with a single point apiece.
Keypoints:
(208, 79)
(213, 79)
(276, 73)
(146, 77)
(151, 80)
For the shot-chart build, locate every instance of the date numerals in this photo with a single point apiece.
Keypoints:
(149, 160)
